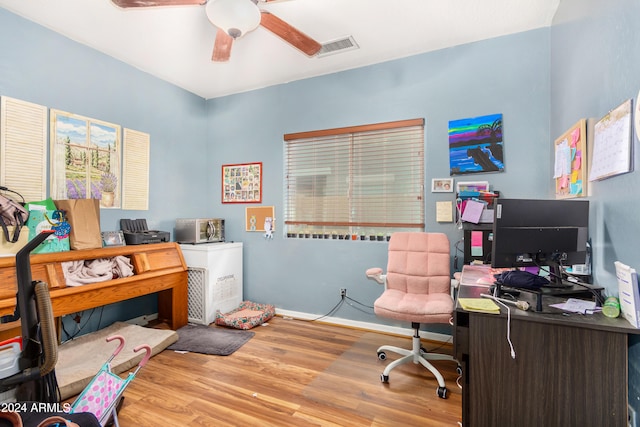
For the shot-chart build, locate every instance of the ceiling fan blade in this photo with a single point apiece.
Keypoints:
(125, 4)
(291, 35)
(222, 47)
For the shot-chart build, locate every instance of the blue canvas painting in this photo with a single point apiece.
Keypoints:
(475, 145)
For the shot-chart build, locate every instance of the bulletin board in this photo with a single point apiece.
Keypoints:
(570, 164)
(256, 216)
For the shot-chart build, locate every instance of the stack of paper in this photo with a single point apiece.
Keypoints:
(482, 305)
(575, 305)
(628, 293)
(473, 211)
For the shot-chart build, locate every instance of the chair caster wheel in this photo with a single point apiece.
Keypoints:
(442, 392)
(459, 370)
(384, 378)
(382, 355)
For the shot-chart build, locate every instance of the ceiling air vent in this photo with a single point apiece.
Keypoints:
(337, 46)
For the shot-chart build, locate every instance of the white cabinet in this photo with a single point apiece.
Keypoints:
(215, 279)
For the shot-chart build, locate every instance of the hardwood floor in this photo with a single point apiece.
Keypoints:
(292, 373)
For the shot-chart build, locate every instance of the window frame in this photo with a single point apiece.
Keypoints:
(354, 229)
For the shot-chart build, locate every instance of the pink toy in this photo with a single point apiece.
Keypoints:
(104, 391)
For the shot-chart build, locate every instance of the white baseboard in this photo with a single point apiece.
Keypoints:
(143, 320)
(368, 326)
(376, 327)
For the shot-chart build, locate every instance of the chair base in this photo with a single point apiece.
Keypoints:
(416, 355)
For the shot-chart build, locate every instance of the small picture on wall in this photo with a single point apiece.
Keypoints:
(242, 183)
(442, 185)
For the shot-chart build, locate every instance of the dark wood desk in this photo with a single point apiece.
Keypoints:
(568, 370)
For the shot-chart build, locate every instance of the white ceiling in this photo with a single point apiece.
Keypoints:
(175, 43)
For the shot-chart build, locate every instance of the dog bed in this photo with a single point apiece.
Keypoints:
(246, 316)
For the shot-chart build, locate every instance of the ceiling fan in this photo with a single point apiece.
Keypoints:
(234, 19)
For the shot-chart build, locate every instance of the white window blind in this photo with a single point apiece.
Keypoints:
(135, 170)
(23, 148)
(366, 180)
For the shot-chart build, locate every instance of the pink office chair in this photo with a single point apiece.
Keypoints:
(417, 290)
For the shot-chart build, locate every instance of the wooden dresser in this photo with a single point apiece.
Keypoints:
(158, 268)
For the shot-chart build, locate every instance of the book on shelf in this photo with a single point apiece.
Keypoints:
(628, 293)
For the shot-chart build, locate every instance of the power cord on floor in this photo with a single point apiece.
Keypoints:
(345, 300)
(442, 344)
(333, 310)
(348, 300)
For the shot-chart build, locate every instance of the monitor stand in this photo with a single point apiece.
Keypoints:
(567, 289)
(556, 277)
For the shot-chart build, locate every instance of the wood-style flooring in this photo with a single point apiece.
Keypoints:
(292, 373)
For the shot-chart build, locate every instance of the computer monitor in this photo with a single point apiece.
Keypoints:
(529, 232)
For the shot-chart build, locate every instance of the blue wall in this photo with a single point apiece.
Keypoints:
(508, 75)
(40, 66)
(595, 67)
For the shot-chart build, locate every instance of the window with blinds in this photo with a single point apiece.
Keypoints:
(363, 182)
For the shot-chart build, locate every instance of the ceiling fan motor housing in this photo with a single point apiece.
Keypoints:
(234, 32)
(235, 17)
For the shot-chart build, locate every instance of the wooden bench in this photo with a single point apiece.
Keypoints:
(158, 268)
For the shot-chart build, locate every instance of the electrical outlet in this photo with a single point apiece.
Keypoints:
(632, 420)
(343, 292)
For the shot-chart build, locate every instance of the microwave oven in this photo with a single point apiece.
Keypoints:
(199, 230)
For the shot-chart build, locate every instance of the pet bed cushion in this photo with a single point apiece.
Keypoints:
(246, 316)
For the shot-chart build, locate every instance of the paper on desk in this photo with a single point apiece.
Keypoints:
(482, 305)
(575, 305)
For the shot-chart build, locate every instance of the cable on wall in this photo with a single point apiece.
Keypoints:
(459, 213)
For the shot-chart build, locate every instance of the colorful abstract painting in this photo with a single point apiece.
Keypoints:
(475, 145)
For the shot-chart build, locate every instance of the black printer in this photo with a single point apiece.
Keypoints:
(136, 232)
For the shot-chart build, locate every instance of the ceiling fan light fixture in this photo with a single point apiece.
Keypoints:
(234, 17)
